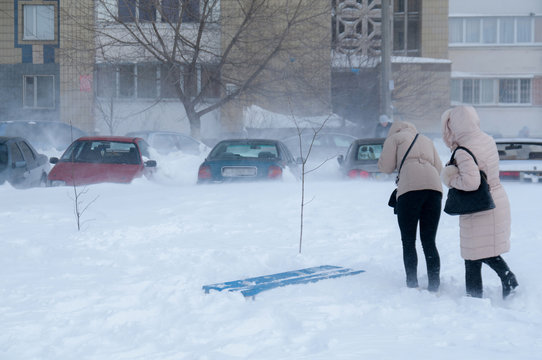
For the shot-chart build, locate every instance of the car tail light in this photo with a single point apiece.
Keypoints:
(204, 172)
(509, 174)
(274, 172)
(355, 173)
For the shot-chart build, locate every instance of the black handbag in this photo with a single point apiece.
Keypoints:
(460, 202)
(392, 202)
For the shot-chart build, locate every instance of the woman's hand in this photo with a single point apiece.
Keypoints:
(448, 173)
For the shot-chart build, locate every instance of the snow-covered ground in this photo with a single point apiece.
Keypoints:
(129, 285)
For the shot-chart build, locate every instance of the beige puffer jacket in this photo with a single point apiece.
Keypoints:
(421, 170)
(487, 233)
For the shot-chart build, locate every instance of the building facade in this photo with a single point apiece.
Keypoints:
(35, 81)
(420, 66)
(496, 53)
(58, 62)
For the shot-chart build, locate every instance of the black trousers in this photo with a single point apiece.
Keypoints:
(473, 273)
(423, 207)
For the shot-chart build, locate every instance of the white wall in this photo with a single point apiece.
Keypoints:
(495, 7)
(132, 116)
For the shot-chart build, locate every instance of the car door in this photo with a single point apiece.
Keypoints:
(33, 171)
(18, 166)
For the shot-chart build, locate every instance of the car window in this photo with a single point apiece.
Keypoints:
(187, 144)
(226, 150)
(3, 156)
(165, 142)
(519, 151)
(369, 152)
(105, 152)
(144, 148)
(16, 154)
(27, 152)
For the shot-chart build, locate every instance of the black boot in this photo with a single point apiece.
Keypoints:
(509, 283)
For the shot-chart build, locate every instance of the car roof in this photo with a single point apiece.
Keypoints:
(518, 140)
(37, 122)
(4, 139)
(108, 138)
(325, 133)
(269, 141)
(370, 141)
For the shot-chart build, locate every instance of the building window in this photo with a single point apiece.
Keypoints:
(147, 86)
(39, 91)
(126, 84)
(406, 27)
(39, 22)
(491, 91)
(168, 82)
(164, 10)
(150, 81)
(491, 30)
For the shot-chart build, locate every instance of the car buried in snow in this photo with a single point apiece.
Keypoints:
(520, 159)
(361, 160)
(247, 160)
(20, 164)
(99, 159)
(323, 145)
(43, 135)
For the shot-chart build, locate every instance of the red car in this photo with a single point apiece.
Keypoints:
(98, 159)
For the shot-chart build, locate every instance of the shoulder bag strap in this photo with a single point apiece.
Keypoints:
(452, 159)
(404, 158)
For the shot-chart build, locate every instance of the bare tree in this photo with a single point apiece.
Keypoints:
(206, 48)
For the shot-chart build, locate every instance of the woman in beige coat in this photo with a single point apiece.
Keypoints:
(419, 197)
(484, 235)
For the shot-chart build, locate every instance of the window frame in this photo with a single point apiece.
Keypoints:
(111, 81)
(521, 91)
(148, 11)
(35, 92)
(32, 33)
(507, 30)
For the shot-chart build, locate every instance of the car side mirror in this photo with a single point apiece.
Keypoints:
(53, 160)
(150, 163)
(340, 159)
(19, 164)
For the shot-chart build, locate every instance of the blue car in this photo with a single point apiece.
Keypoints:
(247, 160)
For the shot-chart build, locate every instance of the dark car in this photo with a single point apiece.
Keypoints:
(361, 159)
(247, 159)
(44, 135)
(325, 145)
(98, 159)
(20, 164)
(520, 159)
(168, 141)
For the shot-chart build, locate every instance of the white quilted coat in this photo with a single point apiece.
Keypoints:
(487, 233)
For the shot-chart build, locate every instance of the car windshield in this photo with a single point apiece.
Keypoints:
(369, 152)
(3, 156)
(105, 152)
(244, 150)
(519, 151)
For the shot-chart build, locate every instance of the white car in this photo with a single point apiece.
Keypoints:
(520, 159)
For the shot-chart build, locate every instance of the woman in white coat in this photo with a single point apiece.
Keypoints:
(484, 235)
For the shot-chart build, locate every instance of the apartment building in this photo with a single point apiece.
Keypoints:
(59, 61)
(420, 66)
(496, 51)
(37, 81)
